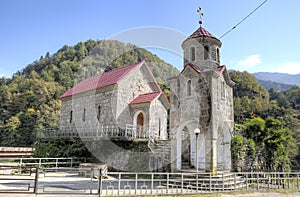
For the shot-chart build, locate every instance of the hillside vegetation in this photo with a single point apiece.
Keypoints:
(267, 132)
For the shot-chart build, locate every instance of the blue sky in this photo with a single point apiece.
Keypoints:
(266, 41)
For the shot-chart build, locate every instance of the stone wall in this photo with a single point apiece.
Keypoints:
(84, 109)
(208, 107)
(158, 119)
(189, 112)
(109, 106)
(134, 84)
(132, 156)
(222, 121)
(199, 43)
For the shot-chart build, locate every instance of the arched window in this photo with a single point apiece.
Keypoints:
(189, 88)
(193, 54)
(218, 55)
(223, 94)
(206, 52)
(99, 113)
(178, 88)
(83, 115)
(71, 116)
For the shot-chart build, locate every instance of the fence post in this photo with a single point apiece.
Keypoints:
(247, 181)
(119, 183)
(257, 181)
(277, 180)
(222, 181)
(288, 180)
(100, 182)
(210, 182)
(297, 181)
(234, 181)
(197, 182)
(35, 189)
(168, 177)
(152, 183)
(269, 180)
(182, 183)
(136, 183)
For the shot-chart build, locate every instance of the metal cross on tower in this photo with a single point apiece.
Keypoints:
(199, 10)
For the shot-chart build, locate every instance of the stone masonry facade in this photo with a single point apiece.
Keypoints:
(201, 97)
(110, 105)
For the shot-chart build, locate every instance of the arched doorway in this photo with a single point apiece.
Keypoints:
(140, 124)
(185, 148)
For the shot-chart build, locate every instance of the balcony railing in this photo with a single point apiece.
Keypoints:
(129, 132)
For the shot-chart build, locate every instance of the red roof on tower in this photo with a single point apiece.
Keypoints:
(201, 32)
(102, 80)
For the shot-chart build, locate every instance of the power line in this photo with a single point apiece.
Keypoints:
(265, 1)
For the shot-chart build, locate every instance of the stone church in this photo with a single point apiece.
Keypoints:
(201, 99)
(124, 102)
(129, 102)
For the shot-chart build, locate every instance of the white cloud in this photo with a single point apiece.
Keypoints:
(289, 67)
(250, 61)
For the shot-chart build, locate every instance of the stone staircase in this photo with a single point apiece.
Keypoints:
(161, 149)
(186, 166)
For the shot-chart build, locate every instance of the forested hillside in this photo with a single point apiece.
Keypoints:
(271, 84)
(29, 100)
(267, 132)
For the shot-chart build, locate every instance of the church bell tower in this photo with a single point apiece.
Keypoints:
(201, 99)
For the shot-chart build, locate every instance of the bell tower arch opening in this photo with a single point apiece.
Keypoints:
(206, 52)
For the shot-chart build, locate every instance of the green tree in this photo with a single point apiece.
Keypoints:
(10, 135)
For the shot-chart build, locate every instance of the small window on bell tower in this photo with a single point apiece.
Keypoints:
(218, 55)
(193, 54)
(206, 52)
(189, 88)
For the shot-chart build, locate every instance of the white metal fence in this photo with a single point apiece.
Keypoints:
(129, 131)
(43, 162)
(191, 183)
(87, 181)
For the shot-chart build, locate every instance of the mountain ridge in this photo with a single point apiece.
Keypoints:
(283, 78)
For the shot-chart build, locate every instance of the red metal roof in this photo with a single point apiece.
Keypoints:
(193, 67)
(145, 98)
(201, 32)
(102, 80)
(220, 69)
